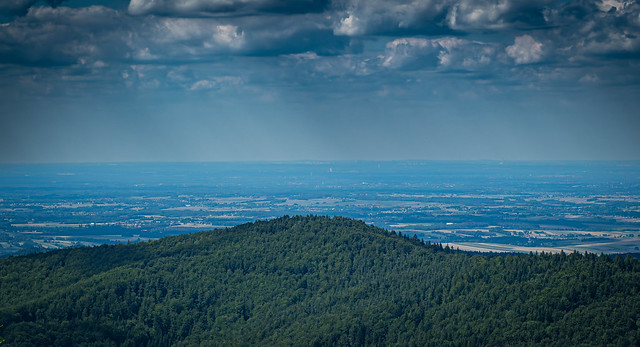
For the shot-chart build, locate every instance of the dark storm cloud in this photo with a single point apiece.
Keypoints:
(61, 36)
(53, 36)
(610, 27)
(525, 31)
(325, 39)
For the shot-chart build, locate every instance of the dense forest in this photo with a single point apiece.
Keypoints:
(314, 281)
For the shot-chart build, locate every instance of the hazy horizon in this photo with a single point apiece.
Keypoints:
(487, 205)
(329, 161)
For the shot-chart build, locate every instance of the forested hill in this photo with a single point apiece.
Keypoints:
(314, 281)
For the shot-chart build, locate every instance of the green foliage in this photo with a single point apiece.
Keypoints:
(314, 281)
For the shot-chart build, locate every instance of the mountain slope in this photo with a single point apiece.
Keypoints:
(313, 280)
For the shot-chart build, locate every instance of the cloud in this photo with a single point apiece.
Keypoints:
(323, 40)
(48, 36)
(189, 39)
(201, 30)
(355, 17)
(204, 7)
(404, 51)
(21, 7)
(448, 53)
(216, 83)
(342, 66)
(588, 32)
(614, 5)
(589, 78)
(281, 35)
(525, 50)
(402, 17)
(496, 14)
(52, 36)
(477, 14)
(350, 26)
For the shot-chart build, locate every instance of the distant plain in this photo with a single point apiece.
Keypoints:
(486, 206)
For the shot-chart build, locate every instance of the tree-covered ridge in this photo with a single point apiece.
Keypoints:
(314, 281)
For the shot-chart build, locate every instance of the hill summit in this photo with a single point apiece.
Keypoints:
(314, 281)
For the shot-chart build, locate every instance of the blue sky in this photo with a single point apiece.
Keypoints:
(244, 80)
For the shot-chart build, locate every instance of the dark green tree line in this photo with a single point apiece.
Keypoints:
(314, 281)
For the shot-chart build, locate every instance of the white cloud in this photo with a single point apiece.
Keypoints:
(620, 5)
(198, 35)
(399, 50)
(589, 78)
(525, 50)
(345, 65)
(144, 54)
(228, 35)
(305, 56)
(612, 40)
(216, 83)
(349, 26)
(444, 53)
(478, 14)
(203, 84)
(384, 16)
(143, 6)
(358, 17)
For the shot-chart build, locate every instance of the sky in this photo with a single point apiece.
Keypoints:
(279, 80)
